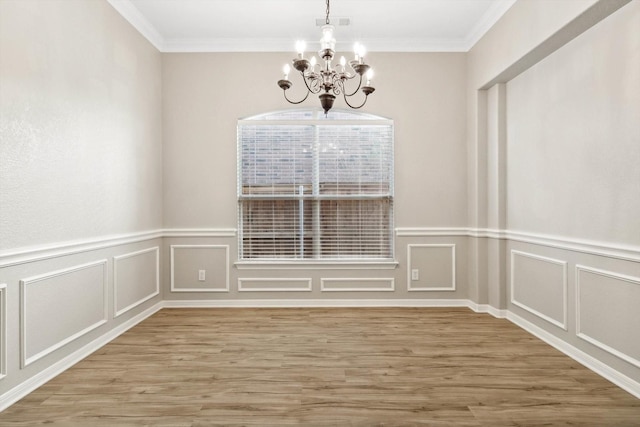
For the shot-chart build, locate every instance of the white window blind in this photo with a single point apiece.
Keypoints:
(315, 187)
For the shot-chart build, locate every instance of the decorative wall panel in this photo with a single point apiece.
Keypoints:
(357, 285)
(3, 330)
(274, 285)
(539, 285)
(608, 311)
(435, 265)
(136, 279)
(60, 306)
(188, 261)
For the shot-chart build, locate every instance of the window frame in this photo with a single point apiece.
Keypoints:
(319, 119)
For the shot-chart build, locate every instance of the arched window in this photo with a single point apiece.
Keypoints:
(312, 186)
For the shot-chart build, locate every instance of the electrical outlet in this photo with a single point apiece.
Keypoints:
(201, 275)
(415, 274)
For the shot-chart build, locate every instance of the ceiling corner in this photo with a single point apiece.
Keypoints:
(489, 19)
(139, 22)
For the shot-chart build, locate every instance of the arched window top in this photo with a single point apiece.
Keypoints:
(315, 114)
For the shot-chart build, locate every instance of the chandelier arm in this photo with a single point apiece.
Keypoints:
(359, 106)
(355, 91)
(314, 88)
(295, 102)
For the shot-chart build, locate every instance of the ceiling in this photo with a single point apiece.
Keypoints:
(274, 25)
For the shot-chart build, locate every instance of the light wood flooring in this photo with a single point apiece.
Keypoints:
(326, 367)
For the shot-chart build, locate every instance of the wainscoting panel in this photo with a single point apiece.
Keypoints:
(3, 330)
(539, 285)
(188, 260)
(274, 285)
(608, 311)
(136, 279)
(60, 306)
(357, 285)
(435, 264)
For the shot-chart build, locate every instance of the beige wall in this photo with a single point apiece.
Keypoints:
(522, 29)
(526, 25)
(205, 94)
(80, 123)
(80, 162)
(573, 150)
(203, 97)
(553, 154)
(574, 137)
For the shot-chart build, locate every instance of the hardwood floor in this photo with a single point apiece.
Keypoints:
(326, 367)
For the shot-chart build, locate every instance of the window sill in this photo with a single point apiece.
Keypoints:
(316, 265)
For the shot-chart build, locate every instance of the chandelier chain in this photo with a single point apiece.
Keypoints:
(327, 19)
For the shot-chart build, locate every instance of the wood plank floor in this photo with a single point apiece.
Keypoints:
(326, 367)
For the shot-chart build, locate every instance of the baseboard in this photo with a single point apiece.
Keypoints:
(486, 308)
(21, 390)
(578, 355)
(319, 303)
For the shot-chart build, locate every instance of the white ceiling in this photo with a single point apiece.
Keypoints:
(274, 25)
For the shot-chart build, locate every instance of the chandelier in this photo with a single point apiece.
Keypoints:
(324, 77)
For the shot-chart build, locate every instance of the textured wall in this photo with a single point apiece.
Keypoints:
(80, 158)
(80, 124)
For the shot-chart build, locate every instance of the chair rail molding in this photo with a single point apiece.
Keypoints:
(592, 247)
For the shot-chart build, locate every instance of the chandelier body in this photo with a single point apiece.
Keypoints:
(325, 79)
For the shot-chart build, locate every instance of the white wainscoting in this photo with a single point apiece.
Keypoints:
(136, 279)
(42, 252)
(274, 284)
(437, 269)
(608, 312)
(539, 291)
(20, 256)
(357, 284)
(184, 268)
(60, 306)
(3, 330)
(585, 246)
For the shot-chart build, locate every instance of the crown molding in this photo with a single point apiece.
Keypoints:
(286, 45)
(139, 22)
(489, 19)
(202, 45)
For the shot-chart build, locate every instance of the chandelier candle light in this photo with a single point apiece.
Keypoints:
(325, 78)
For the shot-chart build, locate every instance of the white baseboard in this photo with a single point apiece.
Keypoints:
(578, 355)
(486, 308)
(320, 303)
(21, 390)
